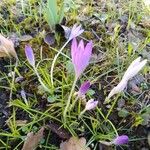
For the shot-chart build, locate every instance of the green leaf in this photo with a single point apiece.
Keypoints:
(52, 6)
(51, 13)
(61, 13)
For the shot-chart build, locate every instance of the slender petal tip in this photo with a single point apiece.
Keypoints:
(30, 55)
(120, 140)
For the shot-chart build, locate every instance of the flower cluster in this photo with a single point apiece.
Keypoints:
(80, 55)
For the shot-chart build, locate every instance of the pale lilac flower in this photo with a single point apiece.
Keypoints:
(75, 31)
(30, 55)
(84, 88)
(132, 70)
(80, 55)
(91, 104)
(120, 140)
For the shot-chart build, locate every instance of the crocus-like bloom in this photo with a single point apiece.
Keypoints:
(91, 104)
(132, 70)
(30, 55)
(120, 140)
(84, 88)
(80, 55)
(75, 31)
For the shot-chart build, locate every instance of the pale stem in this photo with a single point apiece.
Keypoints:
(13, 78)
(112, 126)
(82, 112)
(69, 98)
(54, 60)
(112, 106)
(40, 80)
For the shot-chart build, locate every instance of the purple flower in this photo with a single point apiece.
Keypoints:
(80, 55)
(30, 55)
(84, 88)
(75, 31)
(120, 140)
(91, 104)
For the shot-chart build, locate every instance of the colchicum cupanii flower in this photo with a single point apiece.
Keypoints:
(91, 104)
(119, 140)
(84, 88)
(75, 31)
(80, 56)
(30, 55)
(132, 70)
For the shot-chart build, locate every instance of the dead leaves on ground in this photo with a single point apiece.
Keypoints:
(74, 143)
(33, 140)
(7, 47)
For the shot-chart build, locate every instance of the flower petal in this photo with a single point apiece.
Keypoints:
(73, 49)
(133, 71)
(119, 88)
(80, 56)
(84, 88)
(120, 140)
(30, 55)
(75, 31)
(91, 104)
(132, 65)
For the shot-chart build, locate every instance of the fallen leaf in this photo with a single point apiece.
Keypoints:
(74, 143)
(145, 22)
(7, 47)
(33, 140)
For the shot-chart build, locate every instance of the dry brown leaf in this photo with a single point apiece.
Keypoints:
(7, 47)
(33, 140)
(74, 143)
(145, 23)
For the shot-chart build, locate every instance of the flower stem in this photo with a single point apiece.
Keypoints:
(74, 102)
(82, 112)
(69, 98)
(112, 126)
(54, 60)
(40, 80)
(112, 106)
(13, 78)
